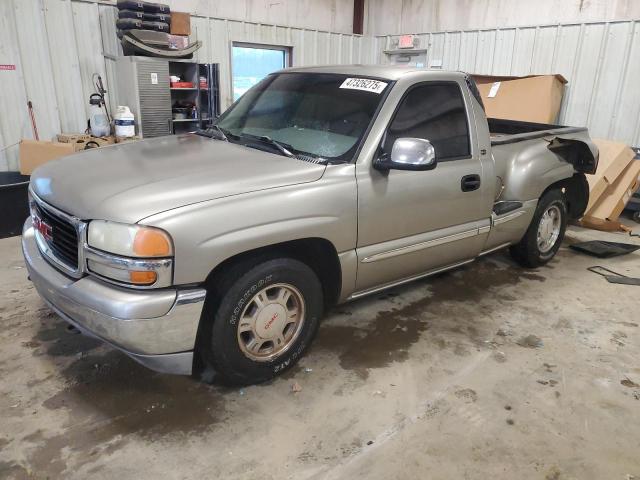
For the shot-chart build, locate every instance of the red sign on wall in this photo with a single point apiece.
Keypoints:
(405, 41)
(7, 67)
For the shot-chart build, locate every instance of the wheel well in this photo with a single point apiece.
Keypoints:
(318, 253)
(576, 193)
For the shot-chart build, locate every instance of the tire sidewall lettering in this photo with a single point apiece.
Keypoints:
(246, 296)
(292, 358)
(225, 353)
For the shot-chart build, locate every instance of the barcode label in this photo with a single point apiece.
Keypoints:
(365, 84)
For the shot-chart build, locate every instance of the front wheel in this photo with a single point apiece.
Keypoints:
(260, 318)
(545, 233)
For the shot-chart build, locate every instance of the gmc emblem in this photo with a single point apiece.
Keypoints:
(43, 227)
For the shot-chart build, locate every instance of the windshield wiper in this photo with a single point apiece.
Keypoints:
(283, 148)
(214, 131)
(223, 136)
(278, 145)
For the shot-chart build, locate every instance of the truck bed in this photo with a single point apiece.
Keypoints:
(571, 144)
(504, 131)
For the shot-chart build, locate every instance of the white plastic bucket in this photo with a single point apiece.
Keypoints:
(124, 122)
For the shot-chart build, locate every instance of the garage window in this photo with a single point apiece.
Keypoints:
(251, 63)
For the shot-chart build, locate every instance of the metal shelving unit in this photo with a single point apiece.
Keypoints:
(184, 97)
(143, 85)
(209, 98)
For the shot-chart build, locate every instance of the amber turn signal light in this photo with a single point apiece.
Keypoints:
(150, 242)
(143, 277)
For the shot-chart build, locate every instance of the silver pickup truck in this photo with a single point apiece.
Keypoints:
(222, 249)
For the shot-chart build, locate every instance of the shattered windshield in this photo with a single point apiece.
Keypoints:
(318, 114)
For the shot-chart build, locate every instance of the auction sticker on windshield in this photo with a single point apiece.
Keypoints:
(365, 84)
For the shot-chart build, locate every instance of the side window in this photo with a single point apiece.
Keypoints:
(435, 112)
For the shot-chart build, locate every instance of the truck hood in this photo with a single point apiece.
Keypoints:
(130, 181)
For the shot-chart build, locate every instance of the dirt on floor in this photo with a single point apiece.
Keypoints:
(488, 371)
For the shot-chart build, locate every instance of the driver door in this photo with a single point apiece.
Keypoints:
(413, 222)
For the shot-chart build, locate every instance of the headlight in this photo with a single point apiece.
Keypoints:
(133, 255)
(129, 240)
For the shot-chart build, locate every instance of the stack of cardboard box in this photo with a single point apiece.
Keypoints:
(34, 153)
(80, 140)
(179, 30)
(537, 98)
(611, 187)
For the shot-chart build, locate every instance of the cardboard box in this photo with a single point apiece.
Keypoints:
(72, 137)
(78, 140)
(34, 153)
(535, 98)
(604, 225)
(93, 142)
(135, 138)
(611, 203)
(103, 141)
(178, 42)
(180, 23)
(613, 159)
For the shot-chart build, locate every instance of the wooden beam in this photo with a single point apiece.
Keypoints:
(358, 16)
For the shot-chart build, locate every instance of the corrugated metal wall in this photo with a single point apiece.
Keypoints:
(57, 46)
(391, 17)
(600, 60)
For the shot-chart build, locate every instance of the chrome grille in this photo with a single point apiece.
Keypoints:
(59, 236)
(63, 239)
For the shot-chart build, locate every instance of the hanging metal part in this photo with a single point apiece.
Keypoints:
(132, 42)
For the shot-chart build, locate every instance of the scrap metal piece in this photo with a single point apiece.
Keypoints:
(614, 277)
(604, 249)
(623, 280)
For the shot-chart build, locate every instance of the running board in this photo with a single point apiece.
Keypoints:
(364, 293)
(494, 249)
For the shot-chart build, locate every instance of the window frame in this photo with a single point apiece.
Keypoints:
(287, 49)
(427, 83)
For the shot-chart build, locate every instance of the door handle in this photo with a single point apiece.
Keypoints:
(468, 183)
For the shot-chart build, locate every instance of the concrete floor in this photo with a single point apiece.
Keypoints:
(486, 372)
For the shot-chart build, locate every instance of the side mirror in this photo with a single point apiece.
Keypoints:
(408, 154)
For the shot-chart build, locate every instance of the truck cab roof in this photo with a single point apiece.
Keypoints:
(387, 72)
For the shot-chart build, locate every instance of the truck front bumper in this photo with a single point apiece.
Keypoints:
(157, 328)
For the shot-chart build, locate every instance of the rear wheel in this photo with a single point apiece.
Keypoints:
(260, 318)
(545, 233)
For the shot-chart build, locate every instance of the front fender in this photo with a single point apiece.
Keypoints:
(208, 233)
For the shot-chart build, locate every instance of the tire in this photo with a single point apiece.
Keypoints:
(529, 252)
(229, 342)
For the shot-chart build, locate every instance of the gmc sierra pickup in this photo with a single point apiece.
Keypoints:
(221, 249)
